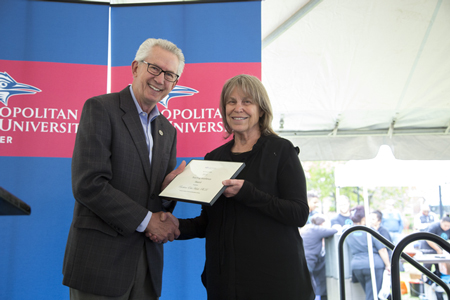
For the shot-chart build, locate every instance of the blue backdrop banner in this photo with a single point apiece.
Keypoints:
(58, 53)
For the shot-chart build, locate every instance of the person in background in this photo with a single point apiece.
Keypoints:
(375, 218)
(313, 242)
(253, 247)
(424, 218)
(313, 203)
(440, 228)
(343, 218)
(375, 222)
(392, 221)
(124, 149)
(357, 242)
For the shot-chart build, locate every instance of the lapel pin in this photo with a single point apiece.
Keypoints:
(161, 133)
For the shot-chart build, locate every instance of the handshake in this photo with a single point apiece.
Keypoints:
(163, 227)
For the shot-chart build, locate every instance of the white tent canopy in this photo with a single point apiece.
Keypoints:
(385, 170)
(345, 77)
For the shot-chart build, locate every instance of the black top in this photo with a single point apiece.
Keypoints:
(437, 230)
(341, 220)
(357, 242)
(385, 233)
(253, 247)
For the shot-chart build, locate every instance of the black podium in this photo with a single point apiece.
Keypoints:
(11, 205)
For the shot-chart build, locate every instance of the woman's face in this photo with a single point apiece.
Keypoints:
(242, 113)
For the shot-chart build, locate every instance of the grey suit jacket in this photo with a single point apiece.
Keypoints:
(114, 186)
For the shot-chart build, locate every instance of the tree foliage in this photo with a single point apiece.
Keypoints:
(320, 179)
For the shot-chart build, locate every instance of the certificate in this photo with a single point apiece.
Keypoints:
(201, 181)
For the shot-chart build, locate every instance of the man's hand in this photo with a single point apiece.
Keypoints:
(163, 227)
(172, 175)
(170, 217)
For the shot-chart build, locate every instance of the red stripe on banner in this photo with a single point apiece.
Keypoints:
(195, 115)
(40, 117)
(44, 123)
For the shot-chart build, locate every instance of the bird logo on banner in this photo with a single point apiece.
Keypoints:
(178, 91)
(9, 87)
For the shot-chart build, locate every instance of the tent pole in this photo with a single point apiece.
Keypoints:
(338, 193)
(357, 190)
(369, 244)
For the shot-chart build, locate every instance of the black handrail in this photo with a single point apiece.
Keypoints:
(395, 268)
(394, 261)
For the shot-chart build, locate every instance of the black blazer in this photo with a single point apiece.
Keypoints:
(253, 247)
(114, 186)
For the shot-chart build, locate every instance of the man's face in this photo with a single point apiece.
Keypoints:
(313, 203)
(390, 205)
(445, 225)
(344, 206)
(373, 219)
(425, 210)
(150, 89)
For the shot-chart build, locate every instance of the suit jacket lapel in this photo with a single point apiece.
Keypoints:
(158, 147)
(134, 126)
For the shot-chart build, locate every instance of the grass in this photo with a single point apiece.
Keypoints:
(406, 278)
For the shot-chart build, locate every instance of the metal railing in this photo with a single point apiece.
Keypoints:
(397, 252)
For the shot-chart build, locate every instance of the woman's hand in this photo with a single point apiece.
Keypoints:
(388, 269)
(233, 187)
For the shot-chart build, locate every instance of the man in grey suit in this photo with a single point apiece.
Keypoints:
(124, 154)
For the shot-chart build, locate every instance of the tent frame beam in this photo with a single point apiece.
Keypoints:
(375, 132)
(289, 22)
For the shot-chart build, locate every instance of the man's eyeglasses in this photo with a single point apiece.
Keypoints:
(155, 70)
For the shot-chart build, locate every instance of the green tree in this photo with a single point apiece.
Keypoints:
(320, 179)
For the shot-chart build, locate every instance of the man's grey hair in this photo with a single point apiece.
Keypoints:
(148, 44)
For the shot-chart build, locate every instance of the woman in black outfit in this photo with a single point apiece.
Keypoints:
(253, 247)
